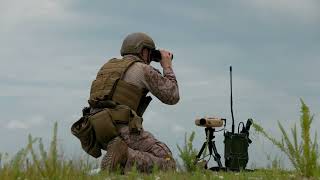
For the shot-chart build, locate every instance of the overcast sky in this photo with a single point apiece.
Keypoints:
(50, 51)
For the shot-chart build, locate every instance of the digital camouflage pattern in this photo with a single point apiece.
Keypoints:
(165, 87)
(145, 151)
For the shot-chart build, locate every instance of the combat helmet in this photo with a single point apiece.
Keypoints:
(135, 42)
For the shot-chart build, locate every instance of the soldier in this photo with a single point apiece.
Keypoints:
(124, 84)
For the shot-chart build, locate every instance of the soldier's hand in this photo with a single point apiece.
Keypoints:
(166, 59)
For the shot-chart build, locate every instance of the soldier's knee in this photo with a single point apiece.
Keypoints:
(169, 163)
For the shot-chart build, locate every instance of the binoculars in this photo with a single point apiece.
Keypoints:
(155, 55)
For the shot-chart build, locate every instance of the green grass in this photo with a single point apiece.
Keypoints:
(35, 162)
(187, 153)
(304, 154)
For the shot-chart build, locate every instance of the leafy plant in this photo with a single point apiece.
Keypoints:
(302, 155)
(188, 153)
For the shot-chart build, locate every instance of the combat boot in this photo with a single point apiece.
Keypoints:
(116, 156)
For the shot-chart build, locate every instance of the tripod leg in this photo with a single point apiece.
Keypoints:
(217, 156)
(201, 150)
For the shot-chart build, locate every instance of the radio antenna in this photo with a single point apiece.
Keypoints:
(231, 100)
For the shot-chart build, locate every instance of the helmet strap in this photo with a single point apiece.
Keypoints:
(148, 61)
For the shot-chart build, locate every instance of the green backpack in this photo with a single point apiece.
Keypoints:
(236, 151)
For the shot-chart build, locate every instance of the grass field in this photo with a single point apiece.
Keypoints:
(37, 163)
(34, 162)
(71, 172)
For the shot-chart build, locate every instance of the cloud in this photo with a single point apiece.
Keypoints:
(178, 129)
(34, 121)
(13, 12)
(306, 11)
(16, 125)
(52, 49)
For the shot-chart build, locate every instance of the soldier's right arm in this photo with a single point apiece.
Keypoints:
(165, 87)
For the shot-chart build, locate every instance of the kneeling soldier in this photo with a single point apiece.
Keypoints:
(118, 99)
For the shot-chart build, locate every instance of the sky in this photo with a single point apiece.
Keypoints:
(51, 50)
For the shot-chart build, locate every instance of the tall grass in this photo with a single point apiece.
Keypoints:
(39, 163)
(34, 161)
(303, 155)
(274, 162)
(188, 153)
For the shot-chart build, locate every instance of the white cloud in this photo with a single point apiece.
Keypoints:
(16, 125)
(13, 12)
(41, 91)
(34, 121)
(153, 121)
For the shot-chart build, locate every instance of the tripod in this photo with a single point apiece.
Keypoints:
(212, 148)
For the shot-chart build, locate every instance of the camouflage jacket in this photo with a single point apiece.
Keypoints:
(164, 87)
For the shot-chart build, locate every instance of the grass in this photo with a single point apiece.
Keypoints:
(35, 162)
(187, 153)
(304, 154)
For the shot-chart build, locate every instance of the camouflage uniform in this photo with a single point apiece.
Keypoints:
(144, 150)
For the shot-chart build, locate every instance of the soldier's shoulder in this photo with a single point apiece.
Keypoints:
(111, 60)
(148, 68)
(138, 65)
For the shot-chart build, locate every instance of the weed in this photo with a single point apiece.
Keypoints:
(188, 153)
(303, 155)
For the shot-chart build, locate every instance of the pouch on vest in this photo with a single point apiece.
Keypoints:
(120, 114)
(124, 115)
(84, 131)
(103, 126)
(135, 123)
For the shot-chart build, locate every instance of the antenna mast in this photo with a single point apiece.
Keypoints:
(231, 100)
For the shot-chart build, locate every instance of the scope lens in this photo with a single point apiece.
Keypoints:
(202, 121)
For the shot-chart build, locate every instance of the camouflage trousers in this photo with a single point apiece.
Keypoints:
(146, 152)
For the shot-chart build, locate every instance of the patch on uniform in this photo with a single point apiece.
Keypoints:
(168, 158)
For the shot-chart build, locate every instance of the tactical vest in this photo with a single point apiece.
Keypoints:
(109, 85)
(114, 102)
